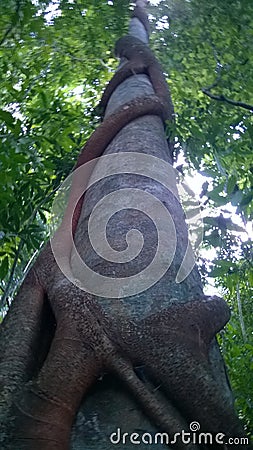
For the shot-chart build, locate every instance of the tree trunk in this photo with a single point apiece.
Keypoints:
(148, 336)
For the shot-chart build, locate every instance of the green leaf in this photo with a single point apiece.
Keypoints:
(218, 199)
(236, 198)
(232, 180)
(7, 117)
(218, 272)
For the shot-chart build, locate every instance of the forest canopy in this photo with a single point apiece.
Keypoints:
(56, 58)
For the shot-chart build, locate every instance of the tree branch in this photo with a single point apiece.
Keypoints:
(239, 304)
(12, 25)
(222, 98)
(4, 298)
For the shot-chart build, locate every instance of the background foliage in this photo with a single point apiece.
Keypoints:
(55, 57)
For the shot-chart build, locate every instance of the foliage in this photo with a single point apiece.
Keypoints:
(43, 119)
(207, 48)
(56, 57)
(237, 341)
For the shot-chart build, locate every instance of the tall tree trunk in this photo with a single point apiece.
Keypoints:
(146, 336)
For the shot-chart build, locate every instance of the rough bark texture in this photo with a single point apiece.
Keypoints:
(157, 346)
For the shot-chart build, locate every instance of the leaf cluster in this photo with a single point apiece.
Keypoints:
(56, 58)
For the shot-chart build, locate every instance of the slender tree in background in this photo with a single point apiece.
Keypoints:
(60, 337)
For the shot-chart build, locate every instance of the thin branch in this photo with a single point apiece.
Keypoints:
(239, 304)
(12, 25)
(222, 98)
(218, 69)
(6, 292)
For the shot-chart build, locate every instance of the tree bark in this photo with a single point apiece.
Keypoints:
(109, 407)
